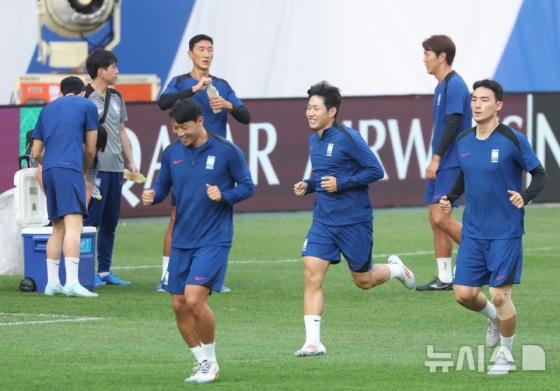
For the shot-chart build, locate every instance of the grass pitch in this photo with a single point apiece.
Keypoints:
(126, 339)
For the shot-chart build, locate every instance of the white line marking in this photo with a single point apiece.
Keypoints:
(58, 319)
(254, 261)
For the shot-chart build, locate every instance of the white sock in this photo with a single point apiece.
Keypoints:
(52, 271)
(312, 328)
(198, 353)
(396, 270)
(165, 263)
(489, 311)
(445, 272)
(72, 270)
(104, 274)
(208, 351)
(507, 342)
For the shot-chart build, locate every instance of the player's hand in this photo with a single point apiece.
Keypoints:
(300, 188)
(432, 169)
(218, 102)
(516, 199)
(328, 183)
(445, 204)
(202, 84)
(213, 193)
(148, 197)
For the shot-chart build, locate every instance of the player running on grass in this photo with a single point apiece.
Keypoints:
(492, 158)
(208, 175)
(343, 167)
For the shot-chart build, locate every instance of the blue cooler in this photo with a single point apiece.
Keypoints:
(35, 257)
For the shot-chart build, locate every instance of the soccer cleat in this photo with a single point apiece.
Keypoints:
(407, 277)
(208, 371)
(225, 289)
(194, 375)
(111, 279)
(436, 285)
(77, 291)
(99, 281)
(159, 288)
(502, 366)
(53, 289)
(312, 349)
(492, 334)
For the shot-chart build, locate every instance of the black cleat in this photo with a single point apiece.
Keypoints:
(436, 285)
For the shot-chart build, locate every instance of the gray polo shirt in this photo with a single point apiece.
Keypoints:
(111, 159)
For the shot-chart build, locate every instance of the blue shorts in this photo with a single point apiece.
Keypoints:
(66, 192)
(492, 262)
(355, 242)
(437, 188)
(200, 266)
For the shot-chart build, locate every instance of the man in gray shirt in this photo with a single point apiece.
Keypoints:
(104, 213)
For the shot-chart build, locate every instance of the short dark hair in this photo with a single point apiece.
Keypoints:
(330, 94)
(491, 85)
(441, 44)
(99, 59)
(71, 85)
(185, 110)
(197, 38)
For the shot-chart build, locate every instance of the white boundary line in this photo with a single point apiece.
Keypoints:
(57, 319)
(253, 261)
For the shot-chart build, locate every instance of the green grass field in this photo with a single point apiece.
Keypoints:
(126, 339)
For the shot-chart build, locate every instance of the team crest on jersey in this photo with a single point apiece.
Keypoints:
(329, 149)
(495, 155)
(210, 160)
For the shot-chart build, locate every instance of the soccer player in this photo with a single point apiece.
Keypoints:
(64, 144)
(492, 158)
(194, 85)
(452, 115)
(343, 167)
(209, 175)
(104, 213)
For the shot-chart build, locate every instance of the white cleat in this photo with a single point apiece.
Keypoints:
(54, 289)
(407, 277)
(492, 334)
(77, 291)
(208, 371)
(312, 349)
(502, 366)
(195, 373)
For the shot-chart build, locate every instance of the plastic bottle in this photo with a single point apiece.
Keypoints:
(96, 194)
(134, 176)
(212, 92)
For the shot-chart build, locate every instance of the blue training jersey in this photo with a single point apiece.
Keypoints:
(200, 221)
(457, 100)
(491, 167)
(61, 127)
(342, 152)
(213, 122)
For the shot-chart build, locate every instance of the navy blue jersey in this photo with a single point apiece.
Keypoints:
(342, 152)
(200, 221)
(61, 126)
(491, 167)
(213, 122)
(457, 100)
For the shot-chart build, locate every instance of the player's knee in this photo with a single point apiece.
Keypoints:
(464, 297)
(362, 284)
(505, 309)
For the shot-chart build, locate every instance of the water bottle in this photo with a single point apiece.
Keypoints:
(134, 176)
(212, 92)
(96, 194)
